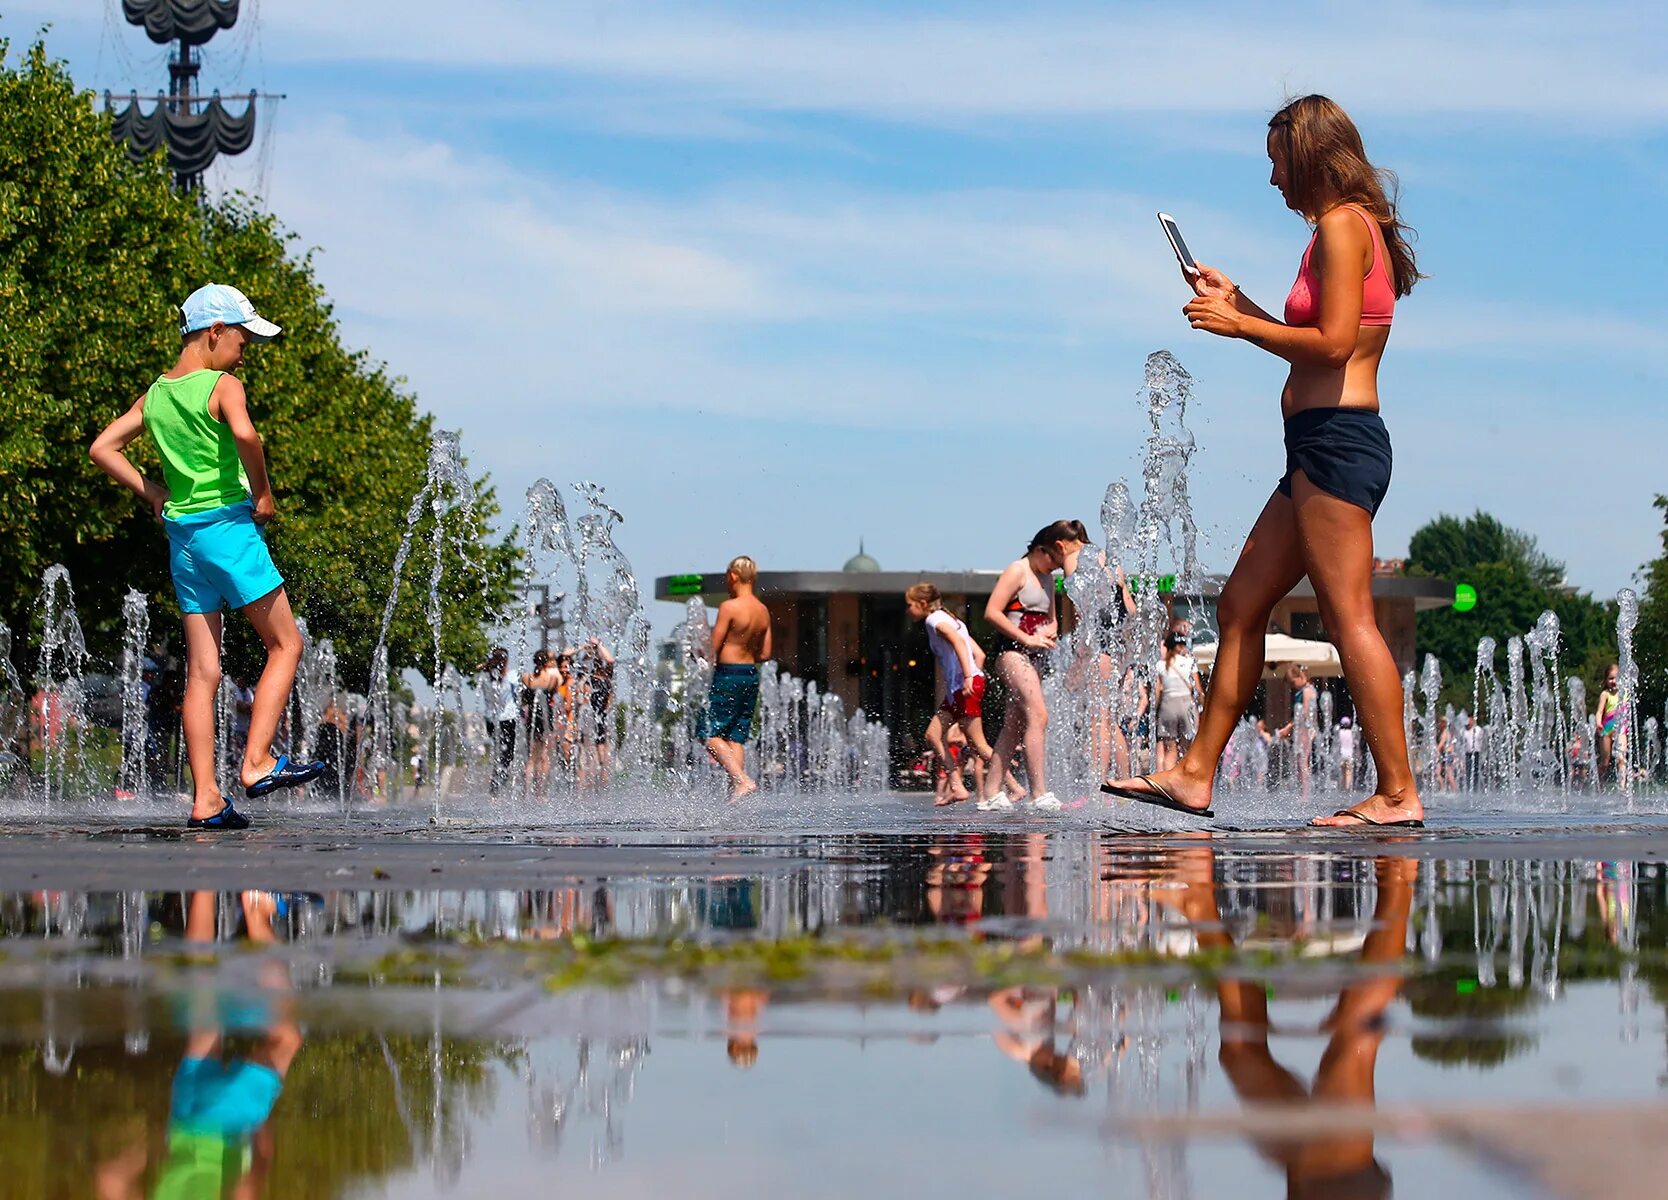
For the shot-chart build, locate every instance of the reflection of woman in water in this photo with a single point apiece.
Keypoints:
(1319, 521)
(1334, 1165)
(1028, 1016)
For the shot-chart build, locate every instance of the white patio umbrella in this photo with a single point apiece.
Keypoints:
(1320, 659)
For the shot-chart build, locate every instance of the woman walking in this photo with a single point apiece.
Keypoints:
(498, 690)
(1319, 521)
(1021, 610)
(1178, 690)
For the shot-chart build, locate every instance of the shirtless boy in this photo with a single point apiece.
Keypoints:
(740, 642)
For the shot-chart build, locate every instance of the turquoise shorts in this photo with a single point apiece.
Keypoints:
(231, 1098)
(219, 559)
(730, 702)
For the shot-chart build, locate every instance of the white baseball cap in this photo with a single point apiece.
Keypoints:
(223, 303)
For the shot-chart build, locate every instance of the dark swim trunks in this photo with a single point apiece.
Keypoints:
(730, 702)
(1345, 452)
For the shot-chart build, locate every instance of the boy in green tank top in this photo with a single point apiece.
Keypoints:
(213, 504)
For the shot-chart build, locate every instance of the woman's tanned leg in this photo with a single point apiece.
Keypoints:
(1336, 538)
(1269, 566)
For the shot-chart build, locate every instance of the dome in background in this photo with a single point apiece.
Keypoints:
(861, 563)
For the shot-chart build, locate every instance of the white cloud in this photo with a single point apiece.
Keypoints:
(1565, 65)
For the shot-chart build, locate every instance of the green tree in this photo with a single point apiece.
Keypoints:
(1516, 582)
(1650, 637)
(1449, 545)
(94, 251)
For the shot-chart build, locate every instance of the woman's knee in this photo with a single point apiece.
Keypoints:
(1352, 631)
(1237, 611)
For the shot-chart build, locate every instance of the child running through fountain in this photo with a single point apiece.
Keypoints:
(961, 662)
(214, 504)
(740, 642)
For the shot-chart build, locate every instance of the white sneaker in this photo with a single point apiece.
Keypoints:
(997, 803)
(1048, 802)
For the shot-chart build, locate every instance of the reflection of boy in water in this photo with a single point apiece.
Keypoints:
(1336, 1166)
(741, 1018)
(219, 1142)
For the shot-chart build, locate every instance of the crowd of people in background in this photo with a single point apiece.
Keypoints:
(559, 711)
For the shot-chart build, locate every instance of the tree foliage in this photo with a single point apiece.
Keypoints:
(1650, 637)
(94, 252)
(1516, 582)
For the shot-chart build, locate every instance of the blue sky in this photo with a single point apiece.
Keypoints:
(787, 276)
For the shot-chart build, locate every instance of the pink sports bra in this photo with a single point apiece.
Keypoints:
(1378, 296)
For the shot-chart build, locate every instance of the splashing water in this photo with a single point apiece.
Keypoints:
(136, 629)
(446, 489)
(1430, 685)
(14, 707)
(59, 677)
(1105, 667)
(1627, 690)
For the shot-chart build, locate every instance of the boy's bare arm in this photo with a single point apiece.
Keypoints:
(765, 654)
(108, 452)
(234, 412)
(721, 630)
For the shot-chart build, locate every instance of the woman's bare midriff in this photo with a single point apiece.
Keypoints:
(1354, 386)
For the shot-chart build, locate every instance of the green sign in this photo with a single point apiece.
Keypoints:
(1166, 584)
(1465, 597)
(684, 585)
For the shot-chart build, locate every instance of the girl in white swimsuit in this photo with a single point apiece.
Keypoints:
(1021, 609)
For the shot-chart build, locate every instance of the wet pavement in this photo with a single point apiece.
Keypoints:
(867, 999)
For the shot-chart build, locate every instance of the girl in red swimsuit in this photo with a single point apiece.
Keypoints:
(1319, 521)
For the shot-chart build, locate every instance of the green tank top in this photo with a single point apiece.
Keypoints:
(199, 457)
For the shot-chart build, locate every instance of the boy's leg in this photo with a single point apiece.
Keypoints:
(275, 624)
(732, 757)
(202, 682)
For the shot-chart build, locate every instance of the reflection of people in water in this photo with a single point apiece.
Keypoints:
(1614, 887)
(1022, 874)
(955, 878)
(1028, 1017)
(1333, 1166)
(742, 1007)
(219, 1140)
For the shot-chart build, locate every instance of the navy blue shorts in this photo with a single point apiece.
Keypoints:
(1345, 452)
(730, 702)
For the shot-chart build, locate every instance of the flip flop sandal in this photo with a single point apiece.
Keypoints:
(1410, 823)
(1157, 797)
(226, 818)
(283, 775)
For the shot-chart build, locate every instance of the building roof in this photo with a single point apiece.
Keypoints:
(1426, 593)
(860, 563)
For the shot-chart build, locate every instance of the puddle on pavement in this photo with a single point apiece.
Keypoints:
(1031, 1014)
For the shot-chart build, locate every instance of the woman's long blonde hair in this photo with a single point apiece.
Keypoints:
(1325, 161)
